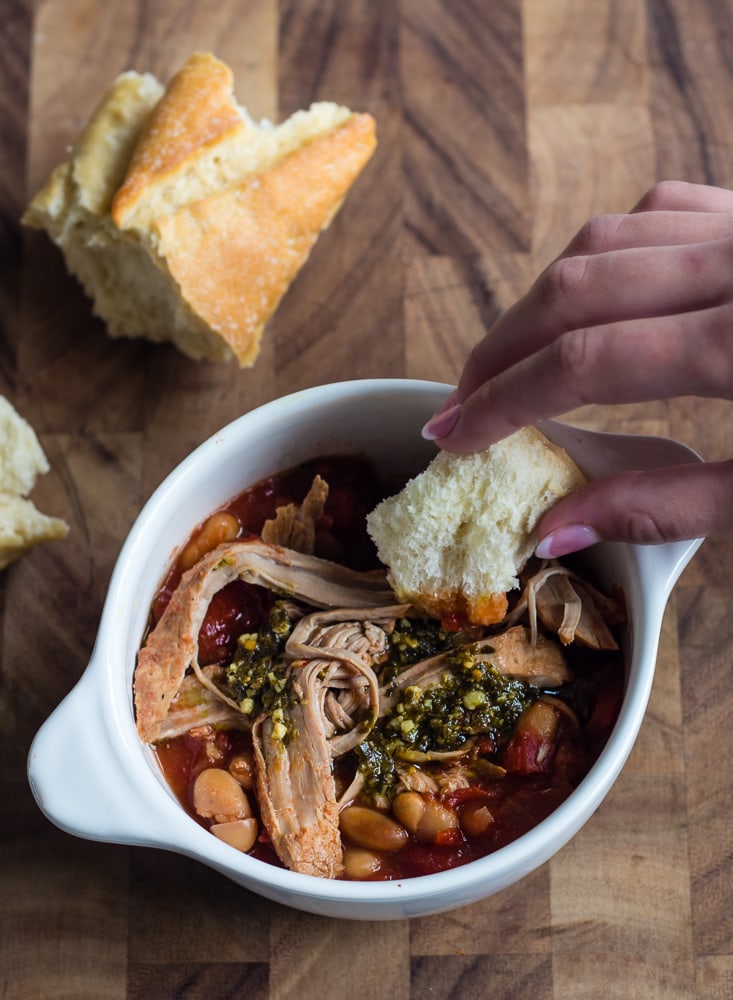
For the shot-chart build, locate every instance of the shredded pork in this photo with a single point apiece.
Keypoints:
(172, 646)
(295, 785)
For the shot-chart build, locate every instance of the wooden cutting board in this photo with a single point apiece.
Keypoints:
(503, 125)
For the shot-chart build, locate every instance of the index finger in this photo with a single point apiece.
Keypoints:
(627, 362)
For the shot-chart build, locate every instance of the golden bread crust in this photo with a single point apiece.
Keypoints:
(106, 145)
(236, 252)
(196, 110)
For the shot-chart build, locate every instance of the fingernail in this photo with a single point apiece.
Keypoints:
(441, 423)
(571, 538)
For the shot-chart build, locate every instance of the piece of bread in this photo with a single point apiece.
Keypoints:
(185, 220)
(21, 461)
(456, 537)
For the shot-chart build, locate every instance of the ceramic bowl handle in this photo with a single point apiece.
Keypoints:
(601, 454)
(75, 776)
(669, 560)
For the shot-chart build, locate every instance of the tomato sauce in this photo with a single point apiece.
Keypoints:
(541, 770)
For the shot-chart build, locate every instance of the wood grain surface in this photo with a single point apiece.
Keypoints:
(503, 125)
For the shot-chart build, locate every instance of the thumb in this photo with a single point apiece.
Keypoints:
(644, 508)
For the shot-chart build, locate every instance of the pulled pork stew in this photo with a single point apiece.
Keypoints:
(303, 716)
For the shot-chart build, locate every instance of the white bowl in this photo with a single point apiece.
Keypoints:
(93, 777)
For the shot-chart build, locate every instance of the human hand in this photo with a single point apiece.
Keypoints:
(638, 307)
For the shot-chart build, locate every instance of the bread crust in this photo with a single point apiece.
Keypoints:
(264, 228)
(187, 222)
(197, 110)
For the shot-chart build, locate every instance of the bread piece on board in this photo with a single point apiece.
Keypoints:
(456, 537)
(186, 221)
(21, 461)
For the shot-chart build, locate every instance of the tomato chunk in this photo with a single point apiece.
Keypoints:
(237, 608)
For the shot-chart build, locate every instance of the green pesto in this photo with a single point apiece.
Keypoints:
(376, 756)
(413, 640)
(256, 676)
(473, 698)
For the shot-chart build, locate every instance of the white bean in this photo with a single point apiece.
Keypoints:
(436, 819)
(219, 796)
(239, 833)
(360, 863)
(424, 815)
(242, 767)
(476, 818)
(371, 829)
(220, 527)
(409, 808)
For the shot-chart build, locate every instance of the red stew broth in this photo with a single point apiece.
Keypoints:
(538, 779)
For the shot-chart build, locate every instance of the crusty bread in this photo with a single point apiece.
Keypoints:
(455, 538)
(185, 220)
(21, 461)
